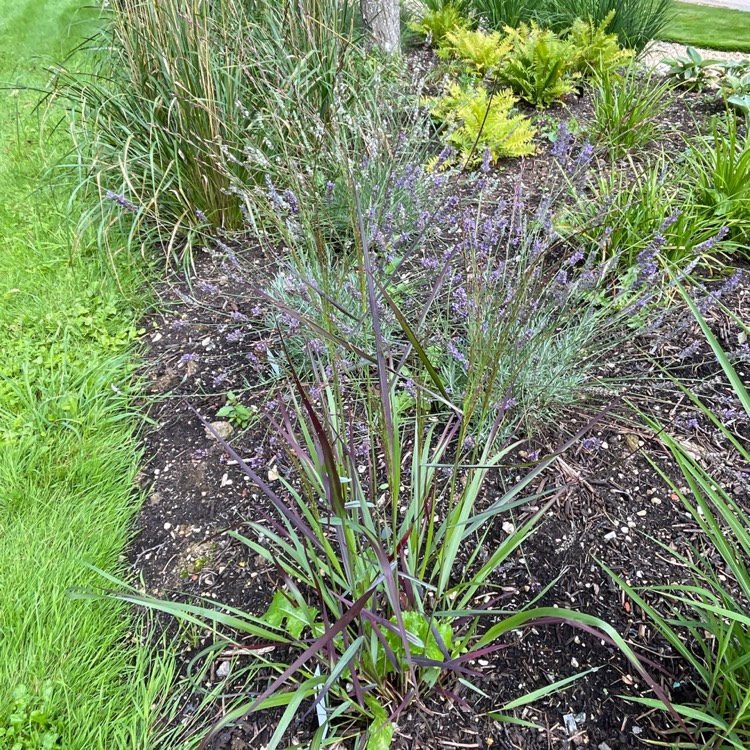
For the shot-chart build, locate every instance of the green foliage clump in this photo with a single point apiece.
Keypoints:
(26, 723)
(694, 72)
(597, 50)
(640, 205)
(718, 174)
(735, 85)
(480, 50)
(498, 14)
(436, 24)
(539, 68)
(691, 70)
(540, 65)
(627, 108)
(635, 22)
(480, 121)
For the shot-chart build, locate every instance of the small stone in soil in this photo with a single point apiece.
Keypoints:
(222, 429)
(571, 727)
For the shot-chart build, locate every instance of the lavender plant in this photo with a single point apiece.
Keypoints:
(516, 321)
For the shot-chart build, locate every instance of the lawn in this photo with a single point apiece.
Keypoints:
(67, 449)
(713, 28)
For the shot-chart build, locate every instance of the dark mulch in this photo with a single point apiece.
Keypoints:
(613, 508)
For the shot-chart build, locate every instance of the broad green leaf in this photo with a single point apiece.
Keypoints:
(282, 610)
(380, 733)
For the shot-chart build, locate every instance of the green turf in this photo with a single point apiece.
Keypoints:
(67, 449)
(709, 27)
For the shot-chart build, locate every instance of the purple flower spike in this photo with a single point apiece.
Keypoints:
(563, 142)
(121, 200)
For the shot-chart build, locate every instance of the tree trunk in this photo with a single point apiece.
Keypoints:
(383, 19)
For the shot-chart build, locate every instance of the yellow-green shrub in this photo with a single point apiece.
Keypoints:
(481, 51)
(480, 122)
(596, 50)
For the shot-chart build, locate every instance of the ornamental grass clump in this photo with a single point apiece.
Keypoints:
(627, 109)
(635, 22)
(620, 213)
(381, 547)
(197, 96)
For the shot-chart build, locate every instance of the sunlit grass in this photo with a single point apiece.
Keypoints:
(709, 27)
(67, 455)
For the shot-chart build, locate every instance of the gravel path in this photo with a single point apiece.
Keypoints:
(653, 55)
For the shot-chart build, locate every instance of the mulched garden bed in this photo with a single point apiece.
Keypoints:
(614, 507)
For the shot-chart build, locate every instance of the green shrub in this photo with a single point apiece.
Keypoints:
(480, 122)
(597, 52)
(480, 50)
(539, 68)
(436, 24)
(627, 109)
